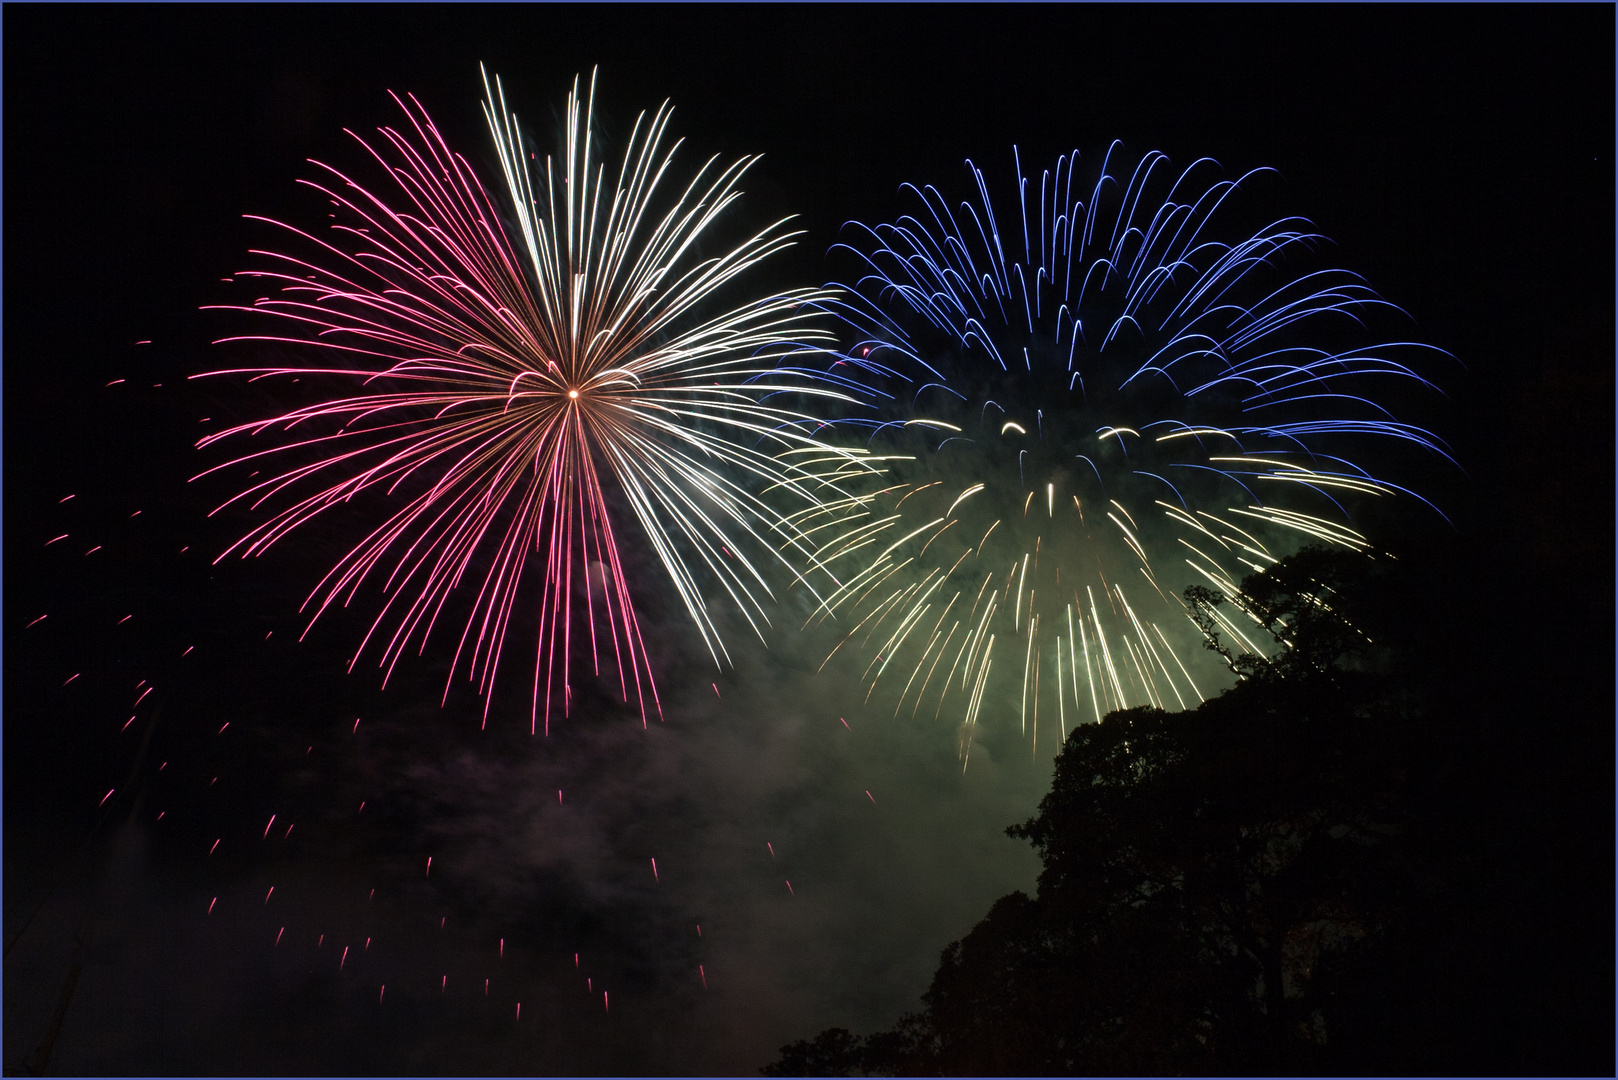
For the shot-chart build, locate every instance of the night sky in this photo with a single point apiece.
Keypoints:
(1461, 158)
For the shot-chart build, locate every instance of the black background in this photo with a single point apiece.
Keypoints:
(1460, 157)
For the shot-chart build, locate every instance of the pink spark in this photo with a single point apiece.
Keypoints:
(485, 987)
(382, 991)
(771, 847)
(139, 343)
(269, 894)
(519, 1010)
(278, 934)
(160, 814)
(654, 861)
(558, 790)
(267, 827)
(356, 725)
(502, 947)
(65, 498)
(287, 833)
(344, 959)
(36, 621)
(131, 720)
(703, 975)
(115, 382)
(71, 677)
(188, 650)
(429, 872)
(367, 944)
(136, 514)
(93, 550)
(789, 888)
(575, 959)
(868, 795)
(215, 845)
(320, 942)
(64, 536)
(715, 689)
(605, 1005)
(222, 727)
(443, 984)
(105, 797)
(845, 723)
(362, 807)
(699, 929)
(211, 903)
(125, 619)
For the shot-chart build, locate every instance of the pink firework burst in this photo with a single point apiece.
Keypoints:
(509, 391)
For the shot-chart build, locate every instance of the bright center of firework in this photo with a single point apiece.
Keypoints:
(572, 393)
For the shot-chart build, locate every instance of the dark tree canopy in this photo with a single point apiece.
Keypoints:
(1259, 885)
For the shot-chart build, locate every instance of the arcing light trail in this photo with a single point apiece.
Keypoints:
(507, 400)
(1182, 403)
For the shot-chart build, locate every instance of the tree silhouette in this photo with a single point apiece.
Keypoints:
(1228, 889)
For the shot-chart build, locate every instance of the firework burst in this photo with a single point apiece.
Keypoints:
(1105, 379)
(512, 392)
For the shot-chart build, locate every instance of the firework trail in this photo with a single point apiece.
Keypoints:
(504, 402)
(1102, 380)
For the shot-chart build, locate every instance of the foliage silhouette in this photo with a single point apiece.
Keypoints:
(1270, 883)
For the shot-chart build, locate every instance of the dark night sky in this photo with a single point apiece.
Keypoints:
(1461, 157)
